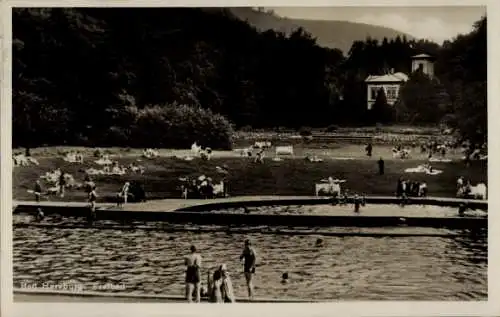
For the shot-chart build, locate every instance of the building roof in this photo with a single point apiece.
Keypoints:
(422, 56)
(396, 78)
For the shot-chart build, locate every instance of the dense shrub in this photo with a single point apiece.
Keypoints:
(246, 128)
(332, 128)
(178, 126)
(305, 131)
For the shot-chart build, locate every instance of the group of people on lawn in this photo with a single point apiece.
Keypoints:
(202, 187)
(407, 188)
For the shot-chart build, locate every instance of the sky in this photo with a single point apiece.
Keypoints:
(437, 23)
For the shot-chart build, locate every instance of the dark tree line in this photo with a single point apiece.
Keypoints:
(85, 76)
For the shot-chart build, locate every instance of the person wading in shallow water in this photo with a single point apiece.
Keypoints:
(193, 275)
(249, 256)
(381, 166)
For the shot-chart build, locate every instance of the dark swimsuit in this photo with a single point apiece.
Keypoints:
(249, 265)
(193, 274)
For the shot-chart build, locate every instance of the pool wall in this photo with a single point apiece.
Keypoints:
(39, 295)
(433, 201)
(199, 213)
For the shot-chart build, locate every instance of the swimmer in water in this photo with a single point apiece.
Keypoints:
(284, 278)
(319, 242)
(39, 214)
(193, 276)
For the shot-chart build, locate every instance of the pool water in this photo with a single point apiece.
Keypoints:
(343, 268)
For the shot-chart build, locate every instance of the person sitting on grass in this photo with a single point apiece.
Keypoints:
(423, 148)
(259, 158)
(344, 197)
(193, 189)
(423, 189)
(207, 188)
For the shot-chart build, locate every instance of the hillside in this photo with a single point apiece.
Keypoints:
(143, 78)
(331, 34)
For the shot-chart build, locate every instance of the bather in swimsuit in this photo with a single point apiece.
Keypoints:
(193, 274)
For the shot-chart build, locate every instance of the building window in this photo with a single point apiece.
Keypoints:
(373, 93)
(392, 93)
(420, 67)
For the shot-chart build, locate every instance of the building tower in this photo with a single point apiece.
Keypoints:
(423, 63)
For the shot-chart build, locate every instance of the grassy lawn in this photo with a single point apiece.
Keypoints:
(288, 177)
(301, 149)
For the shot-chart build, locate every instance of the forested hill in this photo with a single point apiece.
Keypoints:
(94, 76)
(331, 34)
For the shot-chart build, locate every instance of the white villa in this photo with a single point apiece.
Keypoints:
(391, 82)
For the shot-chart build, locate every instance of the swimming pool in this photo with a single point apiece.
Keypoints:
(148, 260)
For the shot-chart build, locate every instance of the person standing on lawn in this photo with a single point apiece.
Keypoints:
(381, 166)
(37, 191)
(92, 200)
(123, 195)
(62, 183)
(357, 203)
(369, 149)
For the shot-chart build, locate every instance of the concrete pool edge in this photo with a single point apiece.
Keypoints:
(25, 295)
(287, 201)
(170, 205)
(186, 211)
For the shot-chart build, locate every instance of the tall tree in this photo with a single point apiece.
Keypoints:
(423, 100)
